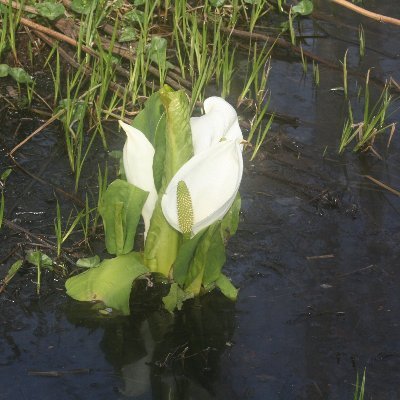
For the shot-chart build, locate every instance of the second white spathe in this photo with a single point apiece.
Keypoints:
(138, 155)
(220, 121)
(213, 178)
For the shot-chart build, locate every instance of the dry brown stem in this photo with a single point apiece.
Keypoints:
(366, 13)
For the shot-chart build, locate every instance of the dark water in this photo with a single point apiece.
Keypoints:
(316, 259)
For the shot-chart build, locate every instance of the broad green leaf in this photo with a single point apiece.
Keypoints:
(179, 148)
(82, 6)
(230, 222)
(4, 69)
(184, 257)
(304, 7)
(12, 271)
(121, 207)
(157, 51)
(226, 287)
(175, 298)
(39, 259)
(215, 258)
(162, 243)
(194, 276)
(20, 75)
(50, 10)
(162, 240)
(89, 262)
(78, 109)
(135, 16)
(110, 282)
(152, 122)
(128, 34)
(217, 3)
(139, 2)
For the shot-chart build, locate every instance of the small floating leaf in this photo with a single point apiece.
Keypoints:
(89, 262)
(39, 259)
(20, 75)
(305, 7)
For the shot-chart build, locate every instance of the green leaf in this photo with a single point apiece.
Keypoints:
(194, 276)
(139, 2)
(226, 287)
(39, 259)
(179, 148)
(152, 122)
(82, 6)
(128, 34)
(162, 240)
(215, 258)
(184, 257)
(217, 3)
(175, 298)
(20, 75)
(78, 109)
(230, 222)
(120, 208)
(12, 271)
(5, 175)
(4, 69)
(134, 16)
(50, 10)
(304, 7)
(157, 51)
(110, 282)
(89, 262)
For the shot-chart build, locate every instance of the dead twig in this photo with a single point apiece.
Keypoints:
(366, 13)
(38, 130)
(383, 185)
(42, 181)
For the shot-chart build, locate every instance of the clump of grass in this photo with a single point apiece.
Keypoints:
(373, 124)
(360, 388)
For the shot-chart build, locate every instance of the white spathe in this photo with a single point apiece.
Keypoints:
(213, 178)
(219, 121)
(138, 155)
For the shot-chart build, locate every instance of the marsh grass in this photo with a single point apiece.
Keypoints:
(197, 54)
(361, 38)
(62, 234)
(373, 124)
(345, 75)
(10, 20)
(359, 391)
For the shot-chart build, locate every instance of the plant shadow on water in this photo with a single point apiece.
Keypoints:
(316, 259)
(158, 355)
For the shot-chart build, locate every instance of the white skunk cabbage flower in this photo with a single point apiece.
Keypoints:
(138, 155)
(204, 188)
(220, 121)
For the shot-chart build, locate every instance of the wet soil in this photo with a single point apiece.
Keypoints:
(316, 259)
